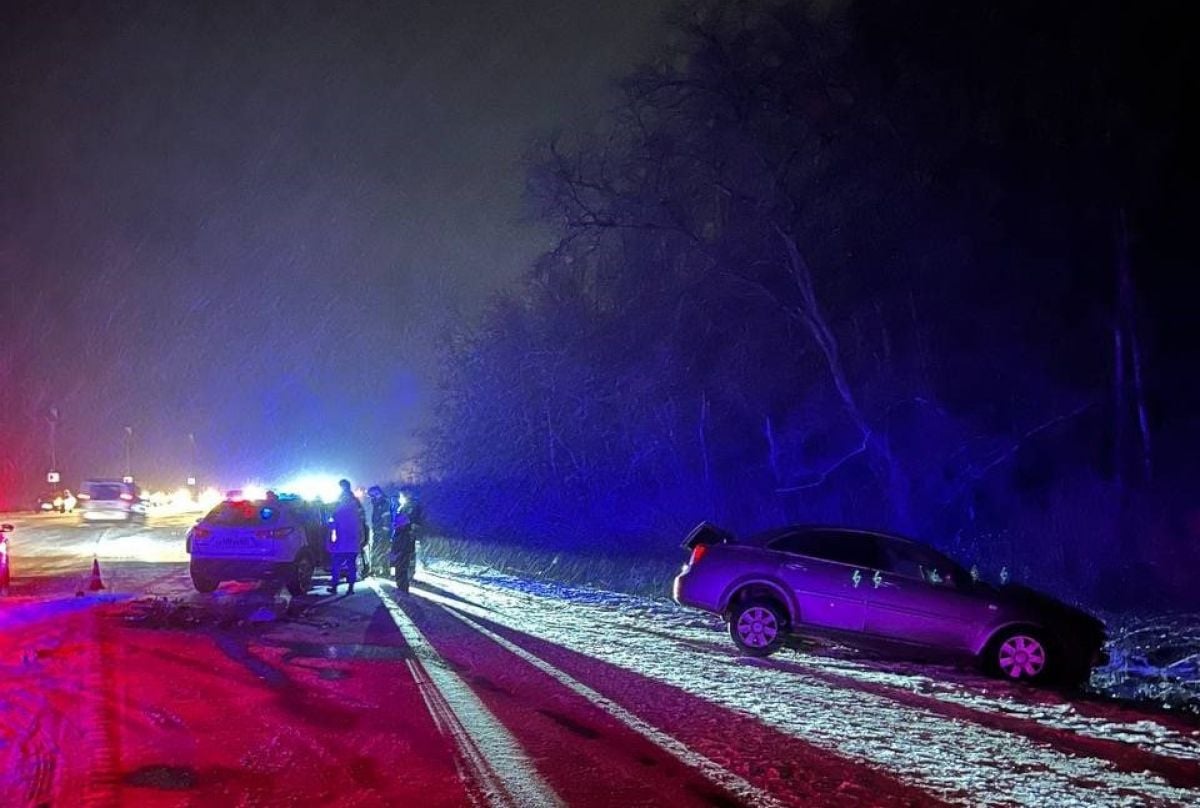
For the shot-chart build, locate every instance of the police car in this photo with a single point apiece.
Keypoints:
(280, 537)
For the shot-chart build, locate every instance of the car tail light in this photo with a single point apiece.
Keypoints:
(277, 533)
(201, 533)
(697, 553)
(127, 497)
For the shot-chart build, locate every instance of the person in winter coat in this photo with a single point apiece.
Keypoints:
(403, 555)
(381, 530)
(347, 537)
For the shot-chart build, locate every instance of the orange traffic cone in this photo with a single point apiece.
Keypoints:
(95, 584)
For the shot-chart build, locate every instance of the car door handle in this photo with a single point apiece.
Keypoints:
(799, 567)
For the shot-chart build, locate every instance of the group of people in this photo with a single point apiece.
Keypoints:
(388, 543)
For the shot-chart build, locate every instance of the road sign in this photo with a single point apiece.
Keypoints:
(53, 477)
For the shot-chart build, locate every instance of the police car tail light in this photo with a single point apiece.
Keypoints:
(277, 533)
(201, 533)
(697, 553)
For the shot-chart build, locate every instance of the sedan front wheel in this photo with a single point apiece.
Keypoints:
(1021, 656)
(757, 627)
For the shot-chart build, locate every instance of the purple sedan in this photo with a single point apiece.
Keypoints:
(869, 589)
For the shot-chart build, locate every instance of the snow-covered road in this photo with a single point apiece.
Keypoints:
(480, 688)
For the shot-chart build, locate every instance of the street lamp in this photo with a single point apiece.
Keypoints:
(52, 417)
(129, 453)
(191, 480)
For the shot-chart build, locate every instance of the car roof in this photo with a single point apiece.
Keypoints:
(285, 508)
(767, 536)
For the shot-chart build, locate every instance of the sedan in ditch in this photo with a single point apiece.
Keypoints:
(868, 589)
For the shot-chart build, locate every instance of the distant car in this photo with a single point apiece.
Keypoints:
(240, 540)
(111, 500)
(51, 501)
(870, 589)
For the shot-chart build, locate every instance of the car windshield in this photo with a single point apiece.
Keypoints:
(244, 513)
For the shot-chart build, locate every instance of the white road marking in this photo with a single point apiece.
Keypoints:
(471, 769)
(714, 772)
(493, 757)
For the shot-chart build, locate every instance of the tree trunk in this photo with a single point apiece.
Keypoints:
(887, 470)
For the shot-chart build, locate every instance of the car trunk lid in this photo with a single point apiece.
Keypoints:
(705, 534)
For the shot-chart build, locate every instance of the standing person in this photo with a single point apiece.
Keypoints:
(347, 537)
(382, 513)
(403, 548)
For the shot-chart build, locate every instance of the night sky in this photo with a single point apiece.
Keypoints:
(254, 224)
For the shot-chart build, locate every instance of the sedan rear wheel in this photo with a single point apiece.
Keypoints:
(1022, 656)
(757, 627)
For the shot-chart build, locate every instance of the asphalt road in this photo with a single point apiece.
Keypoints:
(47, 550)
(479, 689)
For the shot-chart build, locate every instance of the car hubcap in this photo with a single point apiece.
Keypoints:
(757, 627)
(1022, 656)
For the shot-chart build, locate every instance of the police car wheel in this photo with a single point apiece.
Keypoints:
(300, 579)
(204, 583)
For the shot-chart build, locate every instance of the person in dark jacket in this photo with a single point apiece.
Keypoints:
(347, 537)
(382, 512)
(404, 553)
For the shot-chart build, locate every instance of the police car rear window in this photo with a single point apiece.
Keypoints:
(243, 514)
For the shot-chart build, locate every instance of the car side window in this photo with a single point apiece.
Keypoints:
(901, 560)
(796, 541)
(844, 547)
(856, 549)
(913, 561)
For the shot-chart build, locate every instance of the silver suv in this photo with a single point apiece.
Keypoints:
(870, 589)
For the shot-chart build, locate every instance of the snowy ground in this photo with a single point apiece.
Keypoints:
(491, 689)
(1154, 658)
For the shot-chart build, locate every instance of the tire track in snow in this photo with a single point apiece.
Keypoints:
(494, 760)
(102, 721)
(469, 764)
(1178, 771)
(715, 773)
(787, 767)
(1174, 756)
(957, 761)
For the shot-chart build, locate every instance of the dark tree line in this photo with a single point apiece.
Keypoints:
(888, 264)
